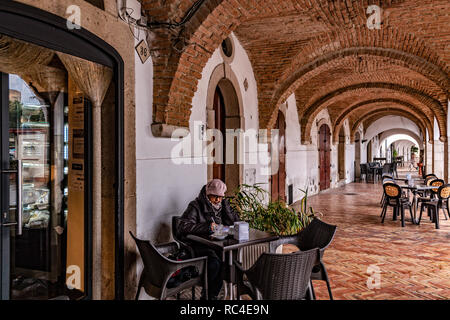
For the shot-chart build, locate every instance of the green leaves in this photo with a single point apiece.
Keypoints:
(271, 216)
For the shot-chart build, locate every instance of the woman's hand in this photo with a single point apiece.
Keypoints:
(213, 226)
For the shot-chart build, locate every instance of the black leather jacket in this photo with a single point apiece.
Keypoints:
(199, 215)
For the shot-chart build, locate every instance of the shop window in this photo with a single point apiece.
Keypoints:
(98, 3)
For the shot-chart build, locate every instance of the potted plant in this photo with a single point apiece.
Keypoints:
(273, 216)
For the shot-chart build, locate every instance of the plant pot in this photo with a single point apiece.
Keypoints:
(294, 239)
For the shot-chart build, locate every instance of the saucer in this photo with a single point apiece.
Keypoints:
(219, 236)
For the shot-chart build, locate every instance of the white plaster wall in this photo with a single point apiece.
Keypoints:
(349, 155)
(242, 68)
(301, 160)
(448, 140)
(163, 187)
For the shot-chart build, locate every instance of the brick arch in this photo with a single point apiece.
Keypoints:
(393, 103)
(313, 109)
(387, 42)
(391, 132)
(373, 116)
(180, 54)
(342, 73)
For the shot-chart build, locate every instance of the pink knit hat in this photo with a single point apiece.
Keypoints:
(216, 187)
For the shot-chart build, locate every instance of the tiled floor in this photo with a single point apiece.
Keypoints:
(413, 262)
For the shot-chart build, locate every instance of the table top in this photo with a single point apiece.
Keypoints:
(418, 187)
(229, 243)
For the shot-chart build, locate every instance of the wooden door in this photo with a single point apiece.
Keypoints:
(219, 114)
(324, 157)
(278, 180)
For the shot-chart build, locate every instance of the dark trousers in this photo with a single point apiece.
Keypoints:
(215, 269)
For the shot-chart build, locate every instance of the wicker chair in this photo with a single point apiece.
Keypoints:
(387, 169)
(158, 270)
(317, 234)
(434, 205)
(425, 194)
(278, 276)
(430, 194)
(178, 238)
(396, 200)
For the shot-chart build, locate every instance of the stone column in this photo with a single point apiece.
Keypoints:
(438, 153)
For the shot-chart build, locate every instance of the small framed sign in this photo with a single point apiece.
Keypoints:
(143, 51)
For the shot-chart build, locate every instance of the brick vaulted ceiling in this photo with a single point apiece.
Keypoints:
(321, 50)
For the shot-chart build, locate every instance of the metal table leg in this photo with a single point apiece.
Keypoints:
(415, 207)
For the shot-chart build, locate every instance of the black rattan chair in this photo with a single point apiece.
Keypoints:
(364, 168)
(396, 200)
(434, 205)
(394, 169)
(317, 234)
(278, 276)
(428, 195)
(158, 269)
(430, 175)
(387, 170)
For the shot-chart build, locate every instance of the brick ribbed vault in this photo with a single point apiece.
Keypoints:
(359, 110)
(345, 98)
(290, 43)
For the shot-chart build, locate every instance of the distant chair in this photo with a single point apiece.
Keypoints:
(178, 238)
(158, 269)
(386, 179)
(434, 205)
(394, 169)
(430, 175)
(278, 276)
(396, 200)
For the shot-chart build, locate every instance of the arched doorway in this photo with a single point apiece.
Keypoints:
(37, 259)
(324, 157)
(219, 124)
(226, 117)
(278, 180)
(357, 156)
(369, 151)
(341, 154)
